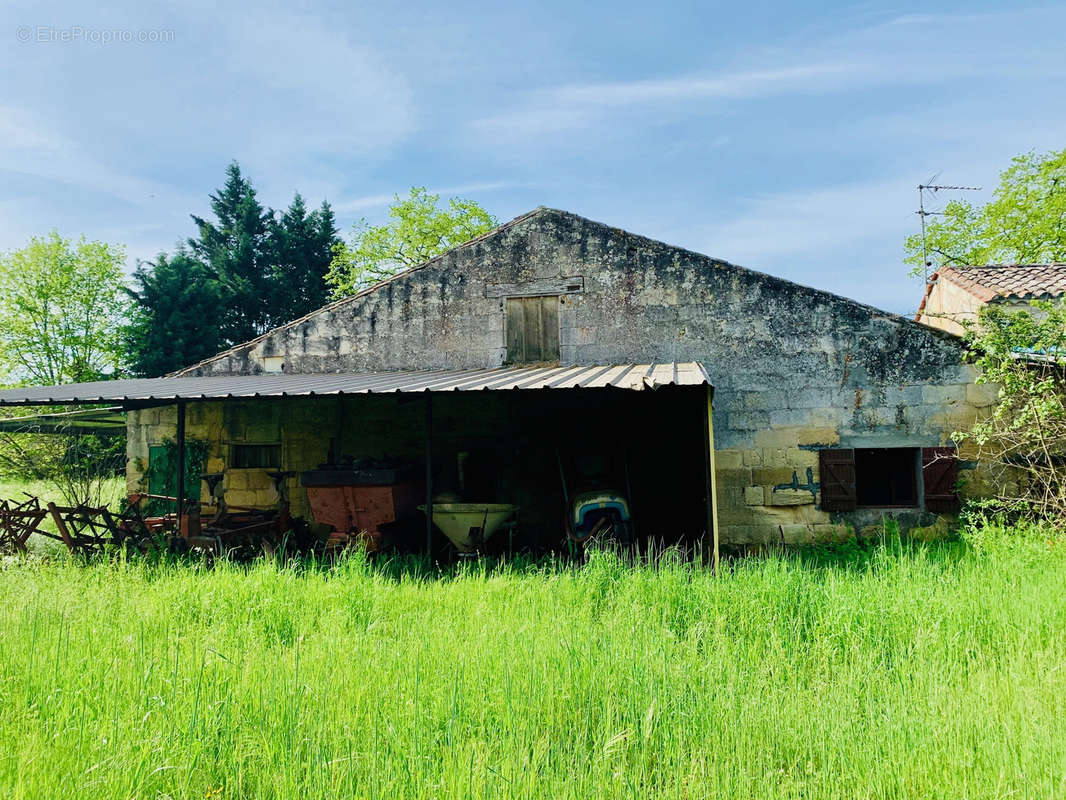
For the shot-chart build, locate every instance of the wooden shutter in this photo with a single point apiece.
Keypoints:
(940, 476)
(836, 470)
(532, 329)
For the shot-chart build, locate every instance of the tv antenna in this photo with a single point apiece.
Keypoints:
(922, 213)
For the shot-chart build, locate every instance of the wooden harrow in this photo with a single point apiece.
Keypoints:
(86, 530)
(90, 530)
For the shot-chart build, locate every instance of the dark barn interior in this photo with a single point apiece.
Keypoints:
(537, 449)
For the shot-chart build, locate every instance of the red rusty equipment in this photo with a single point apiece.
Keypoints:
(359, 501)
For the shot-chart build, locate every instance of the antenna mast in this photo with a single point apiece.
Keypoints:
(922, 214)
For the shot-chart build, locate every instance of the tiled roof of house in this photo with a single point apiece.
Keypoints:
(1009, 281)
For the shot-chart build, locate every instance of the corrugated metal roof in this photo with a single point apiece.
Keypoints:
(621, 376)
(93, 420)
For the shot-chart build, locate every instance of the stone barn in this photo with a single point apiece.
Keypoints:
(499, 371)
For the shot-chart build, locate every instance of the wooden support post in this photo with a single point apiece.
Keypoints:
(429, 473)
(712, 482)
(180, 493)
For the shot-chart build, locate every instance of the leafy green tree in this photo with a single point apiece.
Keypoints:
(1022, 440)
(62, 307)
(301, 250)
(418, 229)
(1024, 223)
(62, 304)
(174, 322)
(236, 250)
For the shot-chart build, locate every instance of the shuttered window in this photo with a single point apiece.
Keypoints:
(532, 330)
(885, 477)
(940, 476)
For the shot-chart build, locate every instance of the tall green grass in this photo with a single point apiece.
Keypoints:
(896, 672)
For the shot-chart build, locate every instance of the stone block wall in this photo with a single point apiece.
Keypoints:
(769, 482)
(250, 488)
(296, 424)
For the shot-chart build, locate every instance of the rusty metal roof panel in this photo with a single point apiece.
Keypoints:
(218, 387)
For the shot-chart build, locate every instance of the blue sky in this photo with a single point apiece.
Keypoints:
(785, 137)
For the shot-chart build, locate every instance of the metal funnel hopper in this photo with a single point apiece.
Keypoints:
(467, 525)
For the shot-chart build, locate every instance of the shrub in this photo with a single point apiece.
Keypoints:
(1022, 441)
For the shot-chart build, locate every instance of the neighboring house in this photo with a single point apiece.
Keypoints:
(954, 295)
(829, 415)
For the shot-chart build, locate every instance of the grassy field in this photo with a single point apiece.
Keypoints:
(17, 488)
(889, 673)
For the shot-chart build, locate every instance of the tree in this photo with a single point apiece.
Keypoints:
(1021, 442)
(249, 269)
(301, 250)
(1024, 223)
(417, 231)
(61, 309)
(174, 321)
(62, 306)
(235, 249)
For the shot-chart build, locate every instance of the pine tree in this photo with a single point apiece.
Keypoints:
(301, 249)
(235, 248)
(175, 323)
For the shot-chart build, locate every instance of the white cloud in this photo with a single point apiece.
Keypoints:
(848, 237)
(328, 94)
(731, 85)
(925, 50)
(303, 104)
(772, 225)
(768, 228)
(575, 105)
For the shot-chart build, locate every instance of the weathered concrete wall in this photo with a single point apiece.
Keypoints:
(794, 368)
